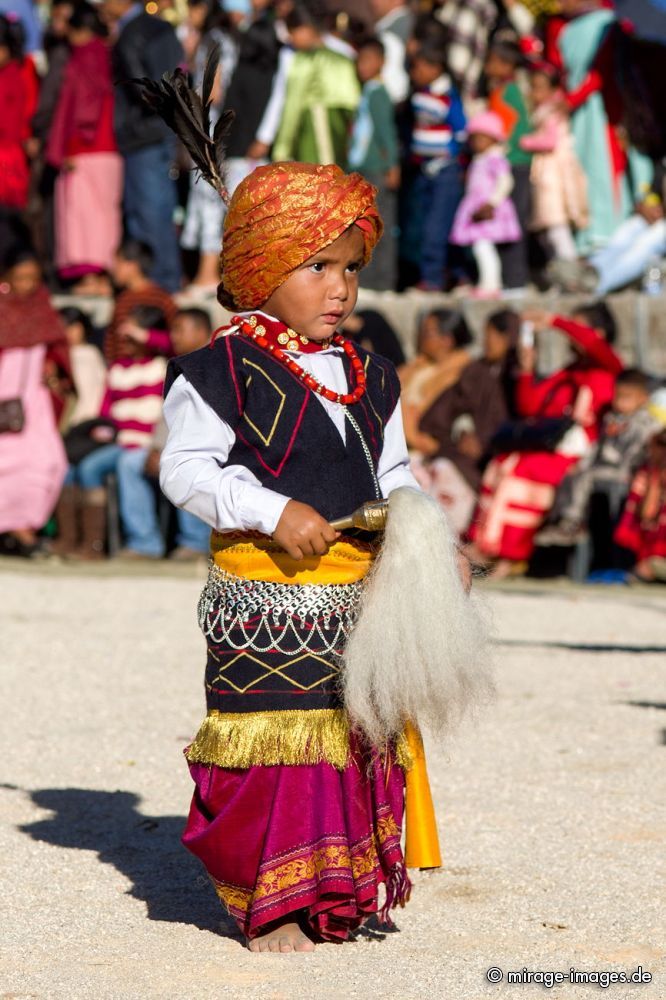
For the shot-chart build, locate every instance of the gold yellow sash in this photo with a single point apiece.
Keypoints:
(347, 561)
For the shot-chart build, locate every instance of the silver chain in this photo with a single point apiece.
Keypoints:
(366, 451)
(309, 618)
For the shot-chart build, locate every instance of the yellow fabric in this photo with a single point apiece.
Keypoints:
(421, 840)
(347, 561)
(290, 736)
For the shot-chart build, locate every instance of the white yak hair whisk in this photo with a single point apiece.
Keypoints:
(419, 650)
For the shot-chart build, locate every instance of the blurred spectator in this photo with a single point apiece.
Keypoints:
(88, 368)
(145, 46)
(57, 51)
(130, 410)
(441, 356)
(625, 431)
(486, 215)
(205, 211)
(34, 364)
(581, 44)
(18, 98)
(642, 528)
(250, 89)
(470, 23)
(633, 246)
(25, 13)
(374, 153)
(132, 264)
(464, 419)
(507, 100)
(438, 132)
(82, 147)
(138, 470)
(394, 25)
(559, 186)
(321, 97)
(80, 418)
(519, 486)
(372, 331)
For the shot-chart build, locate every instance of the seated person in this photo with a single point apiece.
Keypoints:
(625, 431)
(191, 330)
(642, 527)
(131, 408)
(518, 487)
(132, 265)
(464, 418)
(441, 356)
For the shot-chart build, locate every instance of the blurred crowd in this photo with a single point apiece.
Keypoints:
(511, 143)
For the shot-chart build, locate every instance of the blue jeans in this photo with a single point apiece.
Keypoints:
(192, 533)
(149, 203)
(91, 473)
(138, 510)
(439, 197)
(626, 257)
(138, 504)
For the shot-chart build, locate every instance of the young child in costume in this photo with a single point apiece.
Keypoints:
(486, 216)
(282, 427)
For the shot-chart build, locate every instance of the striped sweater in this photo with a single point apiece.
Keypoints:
(133, 399)
(438, 130)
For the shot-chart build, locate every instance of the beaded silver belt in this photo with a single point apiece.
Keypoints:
(285, 617)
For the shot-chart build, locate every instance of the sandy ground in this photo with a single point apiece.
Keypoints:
(551, 808)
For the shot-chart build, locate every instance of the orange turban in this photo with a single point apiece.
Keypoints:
(283, 214)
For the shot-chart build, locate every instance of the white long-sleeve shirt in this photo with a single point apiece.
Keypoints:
(194, 473)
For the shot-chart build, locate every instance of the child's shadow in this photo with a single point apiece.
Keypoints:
(146, 849)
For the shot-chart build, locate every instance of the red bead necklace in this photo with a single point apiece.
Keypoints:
(257, 334)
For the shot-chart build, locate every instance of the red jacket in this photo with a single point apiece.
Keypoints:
(582, 390)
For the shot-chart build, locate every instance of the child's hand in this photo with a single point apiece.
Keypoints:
(131, 331)
(484, 213)
(302, 532)
(152, 466)
(102, 434)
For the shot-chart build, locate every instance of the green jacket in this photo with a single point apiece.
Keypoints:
(322, 95)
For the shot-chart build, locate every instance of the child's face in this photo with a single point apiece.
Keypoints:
(495, 344)
(305, 38)
(499, 70)
(541, 89)
(59, 20)
(318, 296)
(25, 278)
(123, 270)
(369, 64)
(423, 72)
(479, 142)
(627, 399)
(187, 335)
(432, 343)
(75, 334)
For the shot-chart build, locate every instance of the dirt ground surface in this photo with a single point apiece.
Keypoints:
(551, 808)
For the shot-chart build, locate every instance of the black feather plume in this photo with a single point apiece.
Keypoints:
(187, 113)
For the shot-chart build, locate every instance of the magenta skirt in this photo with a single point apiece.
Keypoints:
(308, 838)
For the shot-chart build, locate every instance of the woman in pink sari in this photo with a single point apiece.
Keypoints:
(82, 146)
(34, 361)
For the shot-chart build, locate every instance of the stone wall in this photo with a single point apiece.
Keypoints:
(641, 319)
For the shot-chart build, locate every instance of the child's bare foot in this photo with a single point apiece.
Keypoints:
(287, 937)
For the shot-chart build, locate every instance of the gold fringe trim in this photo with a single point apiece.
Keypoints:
(246, 739)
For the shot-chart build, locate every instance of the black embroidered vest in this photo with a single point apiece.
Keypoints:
(284, 435)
